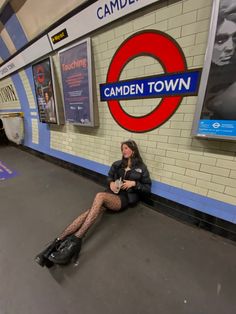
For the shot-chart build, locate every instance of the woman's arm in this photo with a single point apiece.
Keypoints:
(113, 176)
(144, 185)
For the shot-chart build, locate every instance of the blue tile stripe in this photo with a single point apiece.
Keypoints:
(4, 52)
(10, 110)
(201, 203)
(13, 27)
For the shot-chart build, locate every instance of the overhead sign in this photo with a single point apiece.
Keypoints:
(38, 49)
(59, 36)
(98, 14)
(176, 83)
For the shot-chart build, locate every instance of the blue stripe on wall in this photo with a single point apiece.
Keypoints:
(13, 27)
(4, 52)
(202, 203)
(10, 110)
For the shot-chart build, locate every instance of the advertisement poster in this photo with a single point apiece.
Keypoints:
(76, 83)
(216, 116)
(44, 91)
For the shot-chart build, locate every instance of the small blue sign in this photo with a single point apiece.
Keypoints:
(6, 172)
(217, 127)
(178, 84)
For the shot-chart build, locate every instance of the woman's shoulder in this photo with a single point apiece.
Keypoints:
(140, 167)
(140, 164)
(117, 163)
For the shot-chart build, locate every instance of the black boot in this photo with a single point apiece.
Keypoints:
(42, 258)
(68, 249)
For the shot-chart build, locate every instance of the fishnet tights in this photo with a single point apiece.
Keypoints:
(82, 223)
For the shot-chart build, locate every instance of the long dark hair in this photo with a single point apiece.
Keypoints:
(136, 158)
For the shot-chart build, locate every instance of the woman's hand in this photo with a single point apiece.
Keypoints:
(127, 184)
(114, 187)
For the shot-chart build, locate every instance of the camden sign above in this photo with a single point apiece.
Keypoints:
(171, 86)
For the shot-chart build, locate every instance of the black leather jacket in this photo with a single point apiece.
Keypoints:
(139, 174)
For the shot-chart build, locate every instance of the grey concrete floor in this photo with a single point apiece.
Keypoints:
(134, 262)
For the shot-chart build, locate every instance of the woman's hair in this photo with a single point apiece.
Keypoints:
(226, 14)
(136, 158)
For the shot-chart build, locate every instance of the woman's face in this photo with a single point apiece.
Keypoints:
(46, 96)
(126, 151)
(225, 42)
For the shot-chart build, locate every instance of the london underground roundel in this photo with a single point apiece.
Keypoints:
(165, 50)
(40, 74)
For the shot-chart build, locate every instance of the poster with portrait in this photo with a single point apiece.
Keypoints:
(75, 63)
(43, 82)
(216, 109)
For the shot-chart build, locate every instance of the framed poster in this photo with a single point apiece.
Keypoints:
(43, 82)
(215, 115)
(76, 75)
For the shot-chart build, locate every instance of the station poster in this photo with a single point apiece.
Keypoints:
(43, 82)
(216, 109)
(75, 63)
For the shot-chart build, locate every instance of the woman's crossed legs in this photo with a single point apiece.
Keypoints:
(81, 224)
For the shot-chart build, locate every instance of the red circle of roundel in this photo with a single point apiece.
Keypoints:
(40, 74)
(161, 47)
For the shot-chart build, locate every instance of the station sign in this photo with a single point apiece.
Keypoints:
(176, 82)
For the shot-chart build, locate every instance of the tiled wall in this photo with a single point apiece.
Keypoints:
(195, 172)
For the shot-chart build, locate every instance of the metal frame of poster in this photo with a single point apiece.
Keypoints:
(43, 75)
(215, 115)
(76, 75)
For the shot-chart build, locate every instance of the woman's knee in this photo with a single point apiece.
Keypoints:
(100, 196)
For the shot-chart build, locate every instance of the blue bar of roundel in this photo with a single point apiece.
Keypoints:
(144, 87)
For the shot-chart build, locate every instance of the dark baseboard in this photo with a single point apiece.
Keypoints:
(192, 216)
(172, 209)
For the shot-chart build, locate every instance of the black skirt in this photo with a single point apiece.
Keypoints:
(123, 198)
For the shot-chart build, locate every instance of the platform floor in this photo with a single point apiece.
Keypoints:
(135, 262)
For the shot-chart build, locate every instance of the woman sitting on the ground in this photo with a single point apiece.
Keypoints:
(127, 180)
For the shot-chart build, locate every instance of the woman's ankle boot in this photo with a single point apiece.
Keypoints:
(66, 251)
(42, 258)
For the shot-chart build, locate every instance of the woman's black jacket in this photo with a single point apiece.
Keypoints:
(139, 174)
